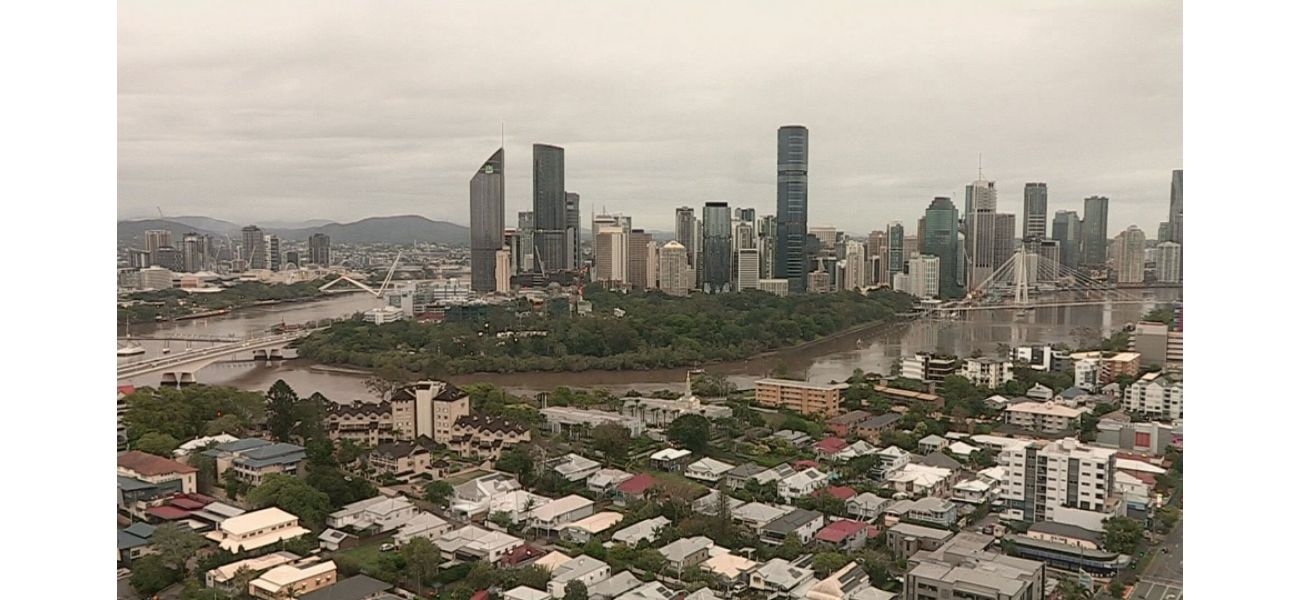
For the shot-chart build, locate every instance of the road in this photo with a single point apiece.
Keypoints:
(1167, 567)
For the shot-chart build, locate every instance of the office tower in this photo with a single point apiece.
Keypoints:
(610, 247)
(1049, 265)
(747, 269)
(550, 218)
(747, 215)
(502, 271)
(716, 256)
(194, 252)
(1129, 255)
(895, 254)
(855, 266)
(767, 246)
(573, 229)
(877, 256)
(291, 257)
(792, 206)
(1085, 478)
(1176, 208)
(273, 253)
(1035, 213)
(137, 259)
(940, 241)
(1169, 262)
(254, 247)
(638, 244)
(318, 249)
(675, 276)
(686, 224)
(911, 247)
(1095, 217)
(651, 264)
(742, 235)
(1004, 238)
(487, 221)
(168, 258)
(1067, 230)
(155, 239)
(981, 231)
(825, 238)
(923, 276)
(527, 256)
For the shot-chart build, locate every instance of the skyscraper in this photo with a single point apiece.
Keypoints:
(1169, 263)
(896, 256)
(273, 253)
(1095, 216)
(686, 232)
(526, 259)
(716, 257)
(792, 206)
(155, 239)
(747, 269)
(1035, 211)
(254, 247)
(1130, 247)
(638, 255)
(318, 249)
(194, 249)
(549, 214)
(855, 266)
(1176, 207)
(573, 228)
(1067, 230)
(980, 225)
(487, 221)
(941, 242)
(1004, 238)
(675, 276)
(610, 245)
(766, 246)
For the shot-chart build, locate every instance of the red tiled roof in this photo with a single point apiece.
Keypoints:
(520, 554)
(837, 532)
(168, 513)
(187, 503)
(637, 485)
(804, 464)
(831, 445)
(480, 595)
(125, 390)
(148, 464)
(872, 532)
(838, 491)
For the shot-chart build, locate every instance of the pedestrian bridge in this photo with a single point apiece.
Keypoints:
(179, 369)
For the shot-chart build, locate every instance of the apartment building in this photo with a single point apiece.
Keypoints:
(1094, 370)
(924, 366)
(1156, 395)
(1041, 477)
(987, 372)
(799, 396)
(403, 460)
(964, 568)
(481, 436)
(252, 459)
(1048, 417)
(428, 408)
(364, 423)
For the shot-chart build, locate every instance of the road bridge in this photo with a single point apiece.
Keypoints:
(179, 369)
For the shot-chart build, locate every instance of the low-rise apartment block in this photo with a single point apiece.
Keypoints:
(1156, 395)
(1048, 417)
(485, 437)
(1040, 477)
(428, 408)
(253, 459)
(799, 396)
(988, 372)
(403, 460)
(963, 568)
(924, 366)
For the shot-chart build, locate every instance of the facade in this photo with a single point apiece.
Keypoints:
(800, 396)
(487, 214)
(716, 256)
(318, 249)
(1048, 417)
(428, 408)
(550, 233)
(780, 287)
(254, 247)
(1096, 212)
(1156, 395)
(610, 246)
(988, 372)
(854, 265)
(481, 436)
(687, 226)
(895, 253)
(403, 460)
(1169, 262)
(747, 268)
(1152, 342)
(675, 275)
(940, 240)
(792, 153)
(1067, 230)
(1130, 246)
(639, 271)
(1035, 211)
(923, 276)
(1041, 477)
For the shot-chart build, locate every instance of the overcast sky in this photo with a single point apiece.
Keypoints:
(274, 111)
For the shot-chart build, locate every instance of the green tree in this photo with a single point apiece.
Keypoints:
(422, 560)
(533, 576)
(227, 423)
(691, 431)
(160, 444)
(149, 575)
(516, 460)
(438, 492)
(612, 441)
(233, 486)
(341, 488)
(1115, 588)
(281, 410)
(575, 590)
(292, 495)
(825, 563)
(176, 545)
(1122, 534)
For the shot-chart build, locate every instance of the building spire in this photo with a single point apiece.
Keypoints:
(981, 166)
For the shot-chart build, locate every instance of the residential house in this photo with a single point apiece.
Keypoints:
(852, 451)
(827, 448)
(670, 459)
(1040, 392)
(525, 593)
(582, 568)
(200, 443)
(798, 523)
(252, 459)
(157, 470)
(473, 499)
(708, 503)
(802, 484)
(613, 587)
(403, 460)
(846, 425)
(780, 576)
(873, 427)
(573, 467)
(379, 514)
(133, 542)
(931, 443)
(472, 543)
(708, 469)
(755, 515)
(936, 511)
(552, 516)
(633, 489)
(845, 534)
(335, 540)
(423, 525)
(356, 587)
(741, 475)
(731, 568)
(221, 578)
(892, 460)
(485, 437)
(640, 531)
(850, 582)
(294, 580)
(866, 506)
(256, 529)
(685, 553)
(652, 590)
(604, 481)
(916, 479)
(583, 530)
(906, 539)
(798, 439)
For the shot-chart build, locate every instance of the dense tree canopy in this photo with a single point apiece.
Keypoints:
(187, 413)
(177, 302)
(292, 495)
(655, 331)
(691, 431)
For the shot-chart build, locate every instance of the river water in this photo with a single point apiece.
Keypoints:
(827, 360)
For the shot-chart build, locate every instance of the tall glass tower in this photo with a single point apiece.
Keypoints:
(792, 206)
(941, 241)
(1095, 215)
(487, 221)
(1035, 213)
(549, 214)
(1176, 208)
(716, 257)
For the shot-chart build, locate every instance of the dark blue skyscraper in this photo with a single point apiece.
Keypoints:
(550, 218)
(487, 221)
(792, 206)
(716, 258)
(941, 240)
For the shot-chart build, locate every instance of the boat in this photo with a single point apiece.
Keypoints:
(130, 350)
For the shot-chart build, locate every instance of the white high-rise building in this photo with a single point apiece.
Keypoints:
(651, 264)
(611, 253)
(923, 276)
(1129, 256)
(502, 272)
(855, 266)
(1169, 262)
(747, 269)
(1044, 481)
(675, 276)
(780, 287)
(1155, 395)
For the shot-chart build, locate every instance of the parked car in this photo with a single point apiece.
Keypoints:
(387, 547)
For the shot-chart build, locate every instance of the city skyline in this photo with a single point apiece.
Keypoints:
(300, 135)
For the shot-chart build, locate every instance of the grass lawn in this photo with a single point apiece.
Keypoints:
(368, 560)
(460, 478)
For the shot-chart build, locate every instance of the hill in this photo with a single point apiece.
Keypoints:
(402, 229)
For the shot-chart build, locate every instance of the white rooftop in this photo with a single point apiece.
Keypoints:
(670, 454)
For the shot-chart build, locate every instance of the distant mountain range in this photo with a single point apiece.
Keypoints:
(402, 229)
